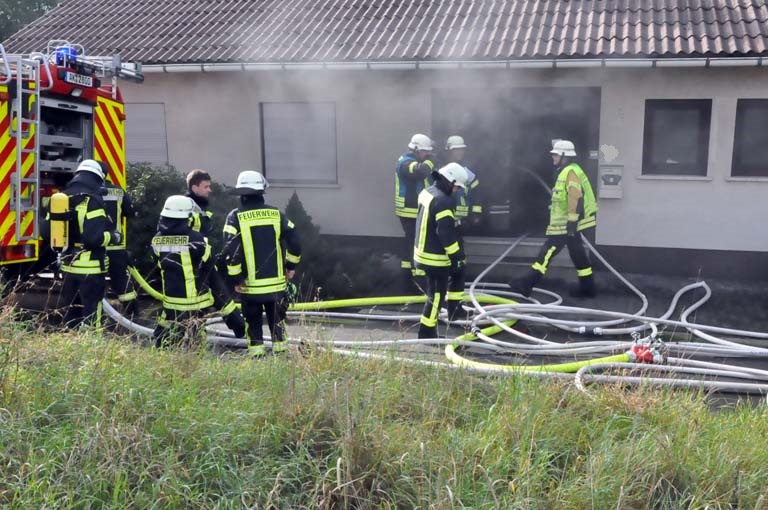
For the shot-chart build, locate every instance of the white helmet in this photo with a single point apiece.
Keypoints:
(455, 142)
(420, 143)
(455, 173)
(177, 206)
(250, 181)
(563, 148)
(91, 165)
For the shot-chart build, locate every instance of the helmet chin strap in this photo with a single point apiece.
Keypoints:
(443, 185)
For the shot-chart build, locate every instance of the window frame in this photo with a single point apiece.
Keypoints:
(739, 169)
(299, 182)
(127, 107)
(698, 169)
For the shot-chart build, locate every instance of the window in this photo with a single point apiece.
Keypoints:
(750, 145)
(299, 142)
(145, 135)
(676, 136)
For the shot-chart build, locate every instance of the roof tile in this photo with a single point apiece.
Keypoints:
(206, 31)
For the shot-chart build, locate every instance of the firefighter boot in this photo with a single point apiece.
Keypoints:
(427, 332)
(131, 308)
(525, 285)
(257, 351)
(454, 310)
(585, 289)
(236, 323)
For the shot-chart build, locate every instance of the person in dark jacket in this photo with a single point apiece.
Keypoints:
(199, 189)
(84, 262)
(411, 176)
(437, 249)
(257, 263)
(118, 205)
(185, 261)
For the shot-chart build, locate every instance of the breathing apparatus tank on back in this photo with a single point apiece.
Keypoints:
(59, 221)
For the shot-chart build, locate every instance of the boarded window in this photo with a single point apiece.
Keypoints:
(750, 145)
(676, 136)
(145, 136)
(299, 142)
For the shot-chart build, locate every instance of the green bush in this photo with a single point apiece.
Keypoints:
(148, 187)
(330, 271)
(326, 271)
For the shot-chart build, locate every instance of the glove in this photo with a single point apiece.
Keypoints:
(290, 292)
(457, 266)
(116, 237)
(571, 228)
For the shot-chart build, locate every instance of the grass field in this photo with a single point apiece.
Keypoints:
(90, 421)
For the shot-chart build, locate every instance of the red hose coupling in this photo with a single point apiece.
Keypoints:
(642, 353)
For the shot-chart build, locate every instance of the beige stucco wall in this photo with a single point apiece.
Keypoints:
(213, 122)
(716, 212)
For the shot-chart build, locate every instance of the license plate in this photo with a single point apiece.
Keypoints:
(78, 79)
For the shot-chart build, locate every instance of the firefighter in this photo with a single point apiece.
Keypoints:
(411, 176)
(467, 210)
(257, 264)
(119, 208)
(198, 189)
(467, 213)
(572, 210)
(185, 261)
(436, 249)
(84, 263)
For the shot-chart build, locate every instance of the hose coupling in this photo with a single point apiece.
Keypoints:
(647, 350)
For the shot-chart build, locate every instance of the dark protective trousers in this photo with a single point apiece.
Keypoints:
(406, 261)
(437, 287)
(456, 284)
(81, 296)
(174, 326)
(222, 301)
(409, 229)
(119, 279)
(551, 248)
(253, 309)
(455, 295)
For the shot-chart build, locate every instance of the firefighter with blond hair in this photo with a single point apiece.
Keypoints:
(199, 187)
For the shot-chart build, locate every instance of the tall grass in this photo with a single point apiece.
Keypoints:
(93, 421)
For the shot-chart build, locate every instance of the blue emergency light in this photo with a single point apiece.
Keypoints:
(65, 55)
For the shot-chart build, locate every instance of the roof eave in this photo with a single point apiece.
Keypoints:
(458, 64)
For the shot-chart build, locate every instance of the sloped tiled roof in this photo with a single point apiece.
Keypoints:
(296, 31)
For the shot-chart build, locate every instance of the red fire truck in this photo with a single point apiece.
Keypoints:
(57, 108)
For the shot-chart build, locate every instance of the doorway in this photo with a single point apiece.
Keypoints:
(509, 133)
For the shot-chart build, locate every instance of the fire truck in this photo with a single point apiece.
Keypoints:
(57, 108)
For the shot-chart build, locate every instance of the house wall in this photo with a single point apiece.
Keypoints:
(213, 122)
(716, 212)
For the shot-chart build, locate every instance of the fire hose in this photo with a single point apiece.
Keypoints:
(493, 311)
